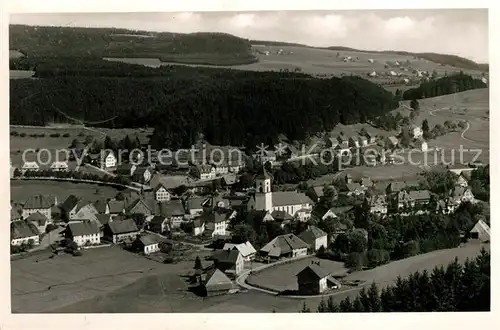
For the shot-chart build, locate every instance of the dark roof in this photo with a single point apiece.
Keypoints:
(313, 271)
(14, 214)
(216, 280)
(158, 186)
(150, 239)
(140, 171)
(226, 256)
(125, 168)
(282, 198)
(353, 186)
(100, 205)
(124, 226)
(157, 220)
(116, 206)
(284, 244)
(38, 202)
(37, 216)
(83, 228)
(103, 218)
(198, 222)
(172, 208)
(22, 229)
(69, 203)
(281, 216)
(135, 204)
(311, 234)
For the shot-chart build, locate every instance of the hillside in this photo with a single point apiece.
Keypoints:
(197, 48)
(229, 107)
(443, 86)
(445, 59)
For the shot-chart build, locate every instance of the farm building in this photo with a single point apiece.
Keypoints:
(161, 193)
(83, 232)
(480, 232)
(198, 227)
(59, 166)
(147, 244)
(462, 180)
(38, 203)
(229, 261)
(126, 169)
(354, 189)
(284, 246)
(22, 232)
(158, 224)
(173, 211)
(122, 231)
(378, 204)
(39, 220)
(246, 250)
(217, 283)
(422, 145)
(314, 280)
(315, 237)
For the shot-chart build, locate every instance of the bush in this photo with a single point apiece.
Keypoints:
(22, 135)
(55, 135)
(66, 135)
(14, 133)
(50, 227)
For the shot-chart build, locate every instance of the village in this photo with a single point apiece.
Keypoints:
(211, 210)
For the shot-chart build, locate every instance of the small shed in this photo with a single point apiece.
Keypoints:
(314, 280)
(480, 232)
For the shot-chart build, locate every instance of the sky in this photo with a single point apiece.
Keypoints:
(462, 32)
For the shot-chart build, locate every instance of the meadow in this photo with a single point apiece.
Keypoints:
(20, 190)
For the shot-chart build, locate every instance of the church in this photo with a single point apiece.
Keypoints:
(264, 199)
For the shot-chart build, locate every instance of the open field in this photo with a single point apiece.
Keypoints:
(162, 294)
(40, 284)
(20, 190)
(322, 62)
(282, 277)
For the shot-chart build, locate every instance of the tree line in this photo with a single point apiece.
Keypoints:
(447, 85)
(240, 111)
(454, 288)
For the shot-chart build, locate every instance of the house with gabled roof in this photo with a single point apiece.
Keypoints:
(460, 195)
(38, 204)
(229, 261)
(161, 193)
(462, 180)
(121, 230)
(147, 244)
(139, 206)
(158, 224)
(116, 207)
(354, 142)
(84, 232)
(314, 280)
(101, 206)
(355, 189)
(30, 166)
(195, 205)
(246, 249)
(108, 160)
(59, 166)
(315, 237)
(142, 175)
(87, 211)
(284, 246)
(216, 222)
(173, 211)
(378, 204)
(205, 172)
(15, 213)
(217, 283)
(392, 142)
(282, 217)
(39, 220)
(198, 226)
(480, 232)
(22, 232)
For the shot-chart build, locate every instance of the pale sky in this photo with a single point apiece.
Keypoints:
(462, 32)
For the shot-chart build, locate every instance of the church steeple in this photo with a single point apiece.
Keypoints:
(263, 193)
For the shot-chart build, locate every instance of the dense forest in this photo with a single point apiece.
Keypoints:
(455, 288)
(447, 85)
(228, 107)
(198, 48)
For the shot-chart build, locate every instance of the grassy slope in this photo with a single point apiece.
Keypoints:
(210, 48)
(446, 59)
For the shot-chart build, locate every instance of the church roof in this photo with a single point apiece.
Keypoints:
(262, 174)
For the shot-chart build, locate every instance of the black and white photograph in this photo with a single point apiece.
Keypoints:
(313, 161)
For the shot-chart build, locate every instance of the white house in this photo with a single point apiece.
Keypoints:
(221, 168)
(378, 204)
(315, 237)
(30, 166)
(284, 246)
(198, 227)
(38, 203)
(108, 160)
(22, 232)
(246, 249)
(148, 244)
(462, 181)
(161, 193)
(59, 166)
(84, 232)
(206, 172)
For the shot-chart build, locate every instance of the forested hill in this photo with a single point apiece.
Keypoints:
(227, 106)
(446, 85)
(207, 48)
